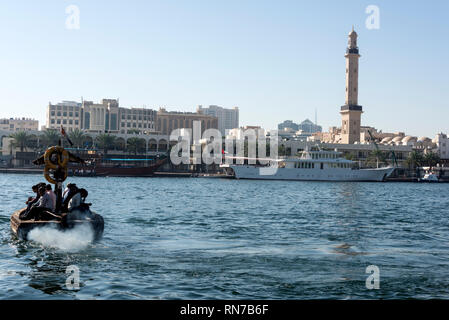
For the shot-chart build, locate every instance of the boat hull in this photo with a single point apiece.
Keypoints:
(117, 171)
(22, 228)
(336, 174)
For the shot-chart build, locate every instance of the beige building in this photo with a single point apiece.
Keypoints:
(351, 112)
(140, 119)
(169, 121)
(65, 113)
(102, 117)
(19, 124)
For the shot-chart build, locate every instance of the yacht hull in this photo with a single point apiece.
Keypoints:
(334, 174)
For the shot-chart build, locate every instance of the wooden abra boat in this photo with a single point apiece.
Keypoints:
(21, 228)
(56, 160)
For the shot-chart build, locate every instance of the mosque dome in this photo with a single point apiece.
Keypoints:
(424, 139)
(386, 139)
(409, 140)
(397, 139)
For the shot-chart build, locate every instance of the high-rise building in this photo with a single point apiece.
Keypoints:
(351, 112)
(288, 124)
(308, 126)
(227, 118)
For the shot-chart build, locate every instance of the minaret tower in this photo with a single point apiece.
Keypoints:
(351, 112)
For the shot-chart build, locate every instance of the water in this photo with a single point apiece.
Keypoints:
(193, 238)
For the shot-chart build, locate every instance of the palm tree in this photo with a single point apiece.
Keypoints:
(105, 141)
(20, 139)
(350, 156)
(376, 157)
(135, 145)
(414, 159)
(431, 159)
(77, 137)
(50, 137)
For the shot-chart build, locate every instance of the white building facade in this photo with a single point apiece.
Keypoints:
(442, 143)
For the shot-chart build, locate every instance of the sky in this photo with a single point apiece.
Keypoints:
(275, 60)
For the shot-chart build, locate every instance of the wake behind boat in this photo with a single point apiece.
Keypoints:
(308, 166)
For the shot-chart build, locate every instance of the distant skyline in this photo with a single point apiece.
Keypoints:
(276, 61)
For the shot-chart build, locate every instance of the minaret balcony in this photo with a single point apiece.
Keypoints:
(352, 50)
(351, 107)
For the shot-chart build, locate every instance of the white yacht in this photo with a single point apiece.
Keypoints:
(309, 165)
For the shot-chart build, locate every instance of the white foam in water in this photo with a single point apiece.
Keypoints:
(71, 240)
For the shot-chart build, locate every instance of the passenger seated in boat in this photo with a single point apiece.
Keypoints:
(39, 209)
(74, 202)
(69, 192)
(52, 195)
(32, 200)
